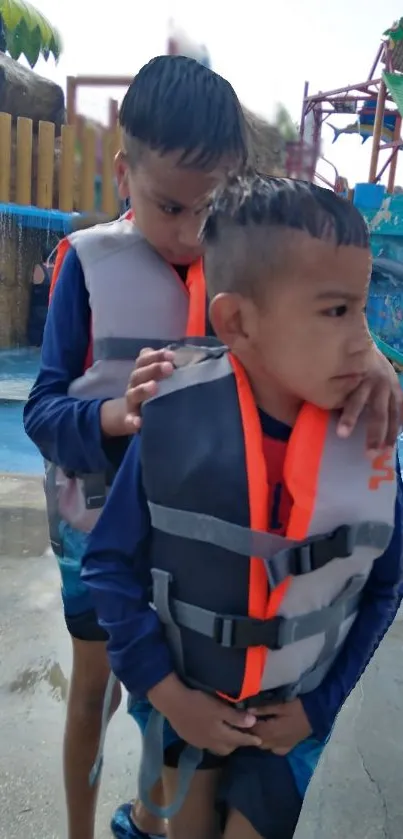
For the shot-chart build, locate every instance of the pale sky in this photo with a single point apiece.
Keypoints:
(266, 50)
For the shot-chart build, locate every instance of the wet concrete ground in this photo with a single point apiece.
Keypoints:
(358, 790)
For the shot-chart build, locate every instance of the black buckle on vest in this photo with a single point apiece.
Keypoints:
(316, 554)
(94, 492)
(241, 633)
(275, 696)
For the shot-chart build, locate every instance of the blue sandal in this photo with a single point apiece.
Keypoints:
(123, 827)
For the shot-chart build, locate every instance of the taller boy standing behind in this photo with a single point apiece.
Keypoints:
(122, 287)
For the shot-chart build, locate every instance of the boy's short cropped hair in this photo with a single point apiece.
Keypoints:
(249, 222)
(176, 104)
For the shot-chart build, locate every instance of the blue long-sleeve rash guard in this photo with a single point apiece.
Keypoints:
(67, 430)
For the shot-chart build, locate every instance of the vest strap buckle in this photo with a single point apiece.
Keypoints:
(241, 633)
(94, 490)
(319, 552)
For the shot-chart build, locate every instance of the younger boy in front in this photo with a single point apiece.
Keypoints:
(287, 267)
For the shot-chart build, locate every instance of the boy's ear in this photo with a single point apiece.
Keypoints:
(226, 315)
(122, 174)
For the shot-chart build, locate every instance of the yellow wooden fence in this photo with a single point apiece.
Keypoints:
(36, 168)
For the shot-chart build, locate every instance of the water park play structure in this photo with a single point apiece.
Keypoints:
(376, 104)
(54, 168)
(376, 107)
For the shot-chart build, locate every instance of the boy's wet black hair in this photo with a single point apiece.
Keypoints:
(176, 104)
(251, 217)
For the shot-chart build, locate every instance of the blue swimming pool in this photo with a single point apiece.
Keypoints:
(18, 369)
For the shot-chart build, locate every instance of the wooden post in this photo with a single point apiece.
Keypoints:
(113, 113)
(5, 157)
(23, 193)
(46, 165)
(88, 170)
(379, 114)
(66, 171)
(71, 96)
(116, 140)
(393, 162)
(109, 202)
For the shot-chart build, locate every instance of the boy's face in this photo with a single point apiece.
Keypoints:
(308, 341)
(170, 202)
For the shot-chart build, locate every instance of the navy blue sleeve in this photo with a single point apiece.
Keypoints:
(381, 599)
(116, 570)
(66, 430)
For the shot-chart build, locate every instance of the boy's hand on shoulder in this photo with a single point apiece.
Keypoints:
(381, 394)
(201, 720)
(120, 417)
(151, 367)
(285, 726)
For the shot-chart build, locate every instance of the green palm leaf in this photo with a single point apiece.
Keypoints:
(27, 32)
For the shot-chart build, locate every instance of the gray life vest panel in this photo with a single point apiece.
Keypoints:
(252, 615)
(137, 300)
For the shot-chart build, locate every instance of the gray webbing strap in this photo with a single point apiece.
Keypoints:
(276, 633)
(124, 349)
(106, 712)
(319, 550)
(283, 557)
(312, 678)
(52, 509)
(161, 601)
(347, 602)
(326, 620)
(152, 763)
(202, 528)
(347, 599)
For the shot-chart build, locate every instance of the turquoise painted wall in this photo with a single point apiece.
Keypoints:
(385, 302)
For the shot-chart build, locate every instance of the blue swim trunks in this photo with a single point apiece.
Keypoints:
(267, 789)
(79, 613)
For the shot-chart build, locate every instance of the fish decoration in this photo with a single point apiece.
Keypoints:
(364, 125)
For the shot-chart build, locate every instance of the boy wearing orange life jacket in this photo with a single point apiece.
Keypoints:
(122, 286)
(274, 554)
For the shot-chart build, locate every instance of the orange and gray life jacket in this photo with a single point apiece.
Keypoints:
(252, 616)
(137, 300)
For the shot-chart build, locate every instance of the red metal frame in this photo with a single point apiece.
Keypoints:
(322, 105)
